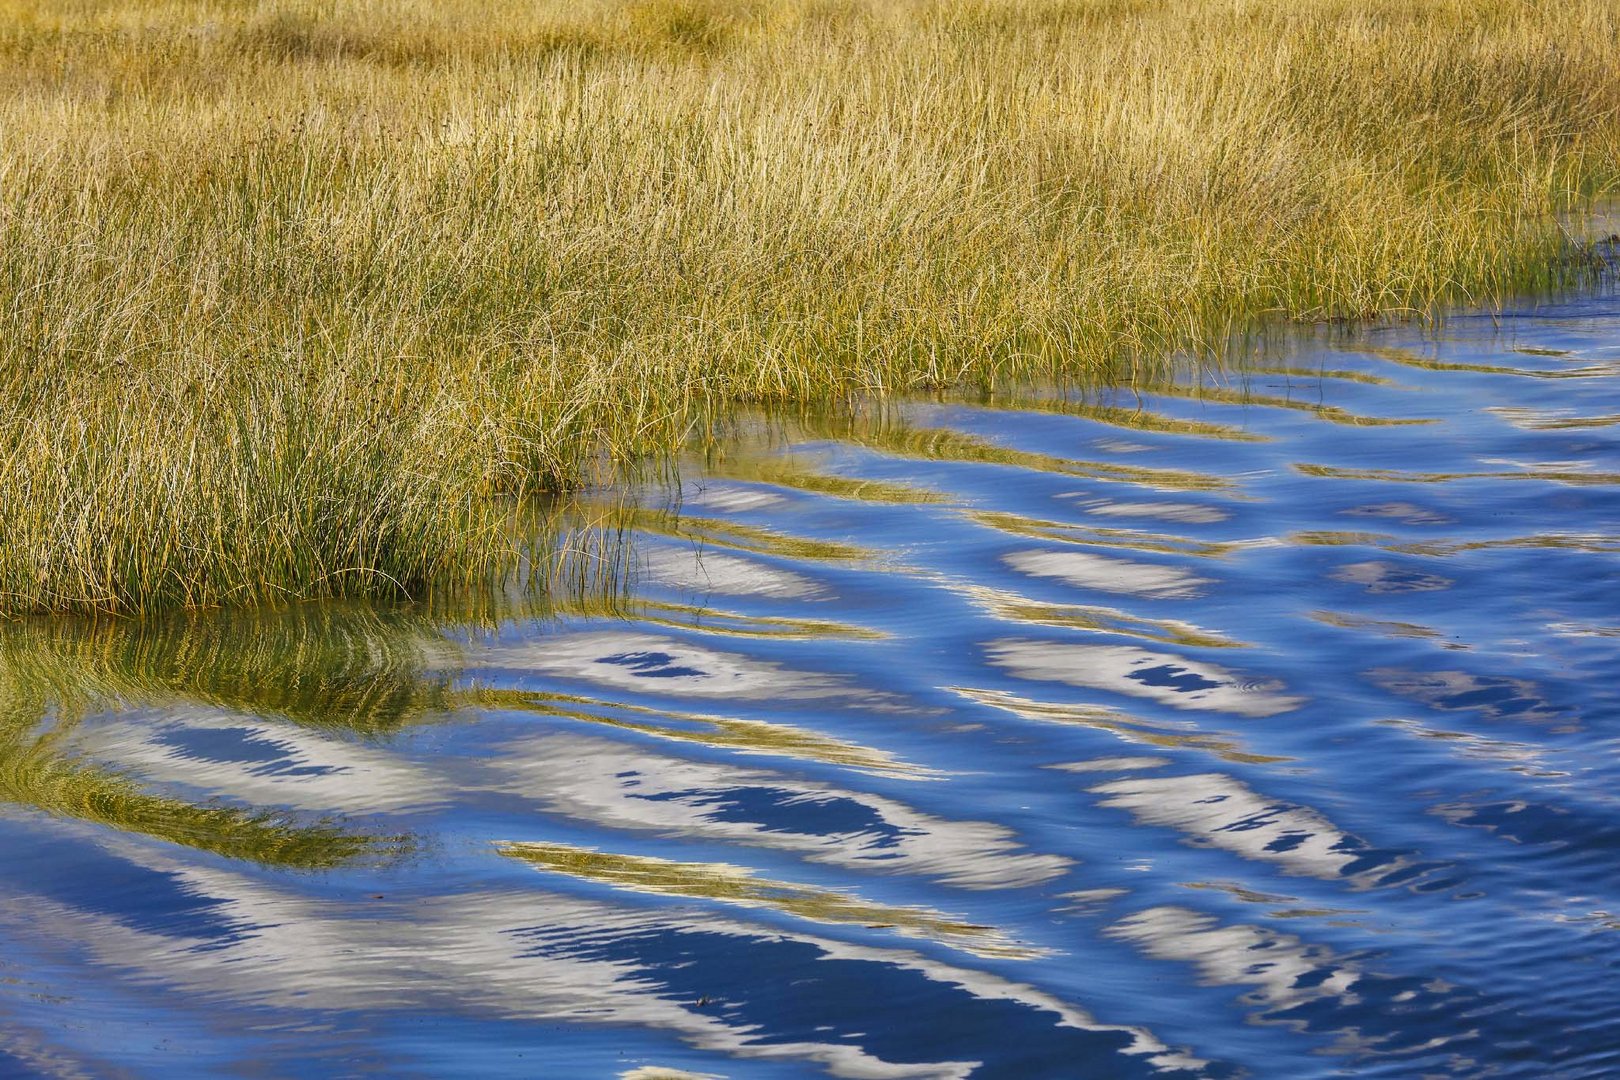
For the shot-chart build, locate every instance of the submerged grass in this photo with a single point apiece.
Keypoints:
(291, 292)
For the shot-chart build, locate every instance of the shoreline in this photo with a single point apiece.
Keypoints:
(294, 302)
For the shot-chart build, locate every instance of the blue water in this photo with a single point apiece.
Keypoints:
(1258, 724)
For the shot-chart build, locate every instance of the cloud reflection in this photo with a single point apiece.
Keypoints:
(1217, 811)
(526, 956)
(1311, 987)
(1496, 697)
(655, 664)
(1387, 577)
(612, 785)
(1184, 513)
(737, 885)
(1104, 574)
(1161, 677)
(264, 763)
(701, 571)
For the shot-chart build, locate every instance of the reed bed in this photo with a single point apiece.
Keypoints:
(298, 296)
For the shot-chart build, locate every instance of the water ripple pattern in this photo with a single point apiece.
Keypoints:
(1261, 723)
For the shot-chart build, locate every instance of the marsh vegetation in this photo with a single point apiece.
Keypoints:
(296, 297)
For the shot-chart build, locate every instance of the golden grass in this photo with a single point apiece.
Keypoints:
(294, 294)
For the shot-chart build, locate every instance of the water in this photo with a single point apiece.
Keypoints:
(1264, 728)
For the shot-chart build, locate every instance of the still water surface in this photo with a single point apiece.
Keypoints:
(1263, 724)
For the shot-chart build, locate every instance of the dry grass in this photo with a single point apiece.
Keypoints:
(294, 294)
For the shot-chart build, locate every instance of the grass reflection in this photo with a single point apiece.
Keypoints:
(1105, 620)
(1139, 418)
(751, 464)
(1131, 728)
(740, 537)
(340, 668)
(1333, 414)
(887, 432)
(1093, 536)
(336, 668)
(734, 733)
(40, 770)
(355, 670)
(739, 886)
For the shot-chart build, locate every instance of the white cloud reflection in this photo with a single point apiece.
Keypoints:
(1218, 811)
(525, 956)
(1107, 574)
(613, 785)
(655, 664)
(1123, 669)
(703, 570)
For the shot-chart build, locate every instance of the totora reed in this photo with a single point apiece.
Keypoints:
(299, 297)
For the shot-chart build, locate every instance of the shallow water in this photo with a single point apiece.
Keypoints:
(1264, 727)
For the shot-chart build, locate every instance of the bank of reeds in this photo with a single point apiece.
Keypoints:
(296, 295)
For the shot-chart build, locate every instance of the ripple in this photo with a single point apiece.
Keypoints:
(1550, 420)
(1289, 980)
(521, 956)
(1105, 620)
(1217, 811)
(1103, 574)
(1165, 678)
(1495, 697)
(1185, 513)
(615, 786)
(264, 764)
(727, 732)
(1555, 474)
(1135, 729)
(653, 664)
(714, 572)
(1129, 539)
(735, 885)
(1386, 577)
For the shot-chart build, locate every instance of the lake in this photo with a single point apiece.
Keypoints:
(1262, 722)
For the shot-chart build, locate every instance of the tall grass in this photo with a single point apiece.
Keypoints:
(295, 295)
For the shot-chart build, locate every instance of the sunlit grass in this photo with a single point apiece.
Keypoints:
(294, 294)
